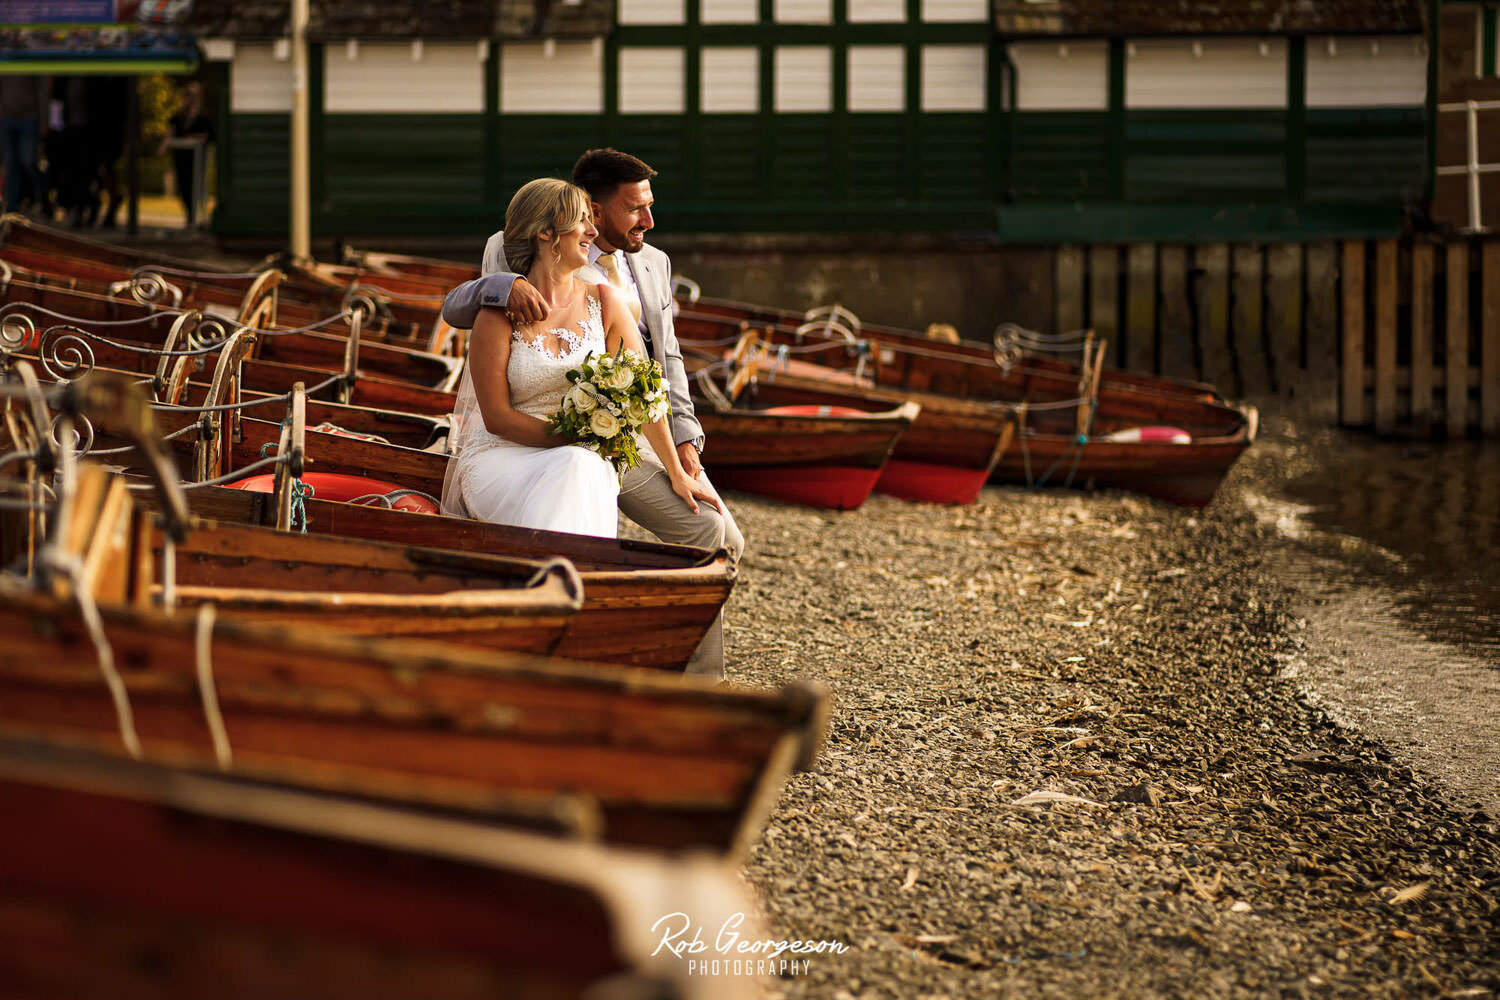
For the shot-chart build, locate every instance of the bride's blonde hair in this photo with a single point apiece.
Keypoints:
(541, 206)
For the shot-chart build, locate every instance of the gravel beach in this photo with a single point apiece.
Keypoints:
(1066, 760)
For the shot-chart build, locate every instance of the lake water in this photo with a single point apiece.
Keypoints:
(1421, 521)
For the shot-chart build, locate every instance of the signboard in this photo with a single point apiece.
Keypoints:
(95, 36)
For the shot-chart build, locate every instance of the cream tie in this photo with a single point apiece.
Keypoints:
(611, 271)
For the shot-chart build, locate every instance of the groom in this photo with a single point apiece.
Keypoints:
(619, 187)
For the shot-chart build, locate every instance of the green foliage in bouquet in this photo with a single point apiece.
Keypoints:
(613, 397)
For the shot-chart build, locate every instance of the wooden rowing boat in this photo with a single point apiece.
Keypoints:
(816, 456)
(716, 311)
(299, 300)
(670, 762)
(945, 456)
(645, 604)
(54, 312)
(446, 272)
(355, 587)
(130, 880)
(1070, 431)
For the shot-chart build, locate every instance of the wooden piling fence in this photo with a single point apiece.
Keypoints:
(1399, 335)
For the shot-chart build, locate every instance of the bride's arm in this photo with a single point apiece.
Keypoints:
(620, 330)
(489, 355)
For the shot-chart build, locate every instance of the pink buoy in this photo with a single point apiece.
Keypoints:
(815, 411)
(1151, 435)
(342, 487)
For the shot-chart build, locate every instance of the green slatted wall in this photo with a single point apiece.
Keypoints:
(1026, 176)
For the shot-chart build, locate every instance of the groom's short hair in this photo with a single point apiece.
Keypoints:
(601, 171)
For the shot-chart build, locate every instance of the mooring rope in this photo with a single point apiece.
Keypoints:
(209, 694)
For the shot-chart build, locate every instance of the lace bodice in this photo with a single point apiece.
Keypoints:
(537, 378)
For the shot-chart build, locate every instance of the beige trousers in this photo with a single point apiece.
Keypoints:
(646, 497)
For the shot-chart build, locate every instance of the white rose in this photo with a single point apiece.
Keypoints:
(636, 411)
(604, 424)
(620, 378)
(582, 398)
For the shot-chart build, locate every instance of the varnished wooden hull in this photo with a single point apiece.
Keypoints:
(759, 315)
(1046, 439)
(821, 461)
(133, 882)
(1187, 474)
(945, 456)
(644, 604)
(362, 587)
(300, 300)
(670, 763)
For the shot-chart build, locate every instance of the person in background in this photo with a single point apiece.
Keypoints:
(70, 164)
(23, 119)
(108, 100)
(188, 123)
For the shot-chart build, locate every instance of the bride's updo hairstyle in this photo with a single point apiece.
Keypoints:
(545, 205)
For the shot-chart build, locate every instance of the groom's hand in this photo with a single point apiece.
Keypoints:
(525, 304)
(687, 454)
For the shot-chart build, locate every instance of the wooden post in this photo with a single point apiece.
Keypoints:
(1321, 261)
(1352, 363)
(1104, 293)
(1175, 323)
(1385, 336)
(1213, 317)
(1249, 321)
(1284, 315)
(1421, 337)
(1067, 278)
(1140, 308)
(1456, 352)
(1489, 346)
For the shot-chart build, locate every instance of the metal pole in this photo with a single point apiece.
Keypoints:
(301, 221)
(1474, 214)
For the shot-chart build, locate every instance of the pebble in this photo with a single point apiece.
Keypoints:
(1102, 647)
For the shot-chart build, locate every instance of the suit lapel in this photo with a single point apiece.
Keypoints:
(650, 307)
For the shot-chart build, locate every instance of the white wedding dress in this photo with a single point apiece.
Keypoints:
(567, 488)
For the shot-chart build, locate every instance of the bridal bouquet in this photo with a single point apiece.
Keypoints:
(613, 397)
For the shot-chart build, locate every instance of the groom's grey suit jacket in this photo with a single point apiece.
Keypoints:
(652, 271)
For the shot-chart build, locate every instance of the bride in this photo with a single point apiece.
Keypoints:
(507, 467)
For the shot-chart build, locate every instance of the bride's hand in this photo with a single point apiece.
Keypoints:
(692, 491)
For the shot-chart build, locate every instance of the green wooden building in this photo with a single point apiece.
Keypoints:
(1017, 120)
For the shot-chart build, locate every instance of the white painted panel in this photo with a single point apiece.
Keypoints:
(1053, 76)
(804, 11)
(953, 77)
(729, 79)
(1205, 73)
(804, 78)
(955, 10)
(217, 49)
(385, 77)
(651, 12)
(569, 80)
(883, 11)
(651, 79)
(877, 78)
(729, 11)
(1366, 72)
(258, 81)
